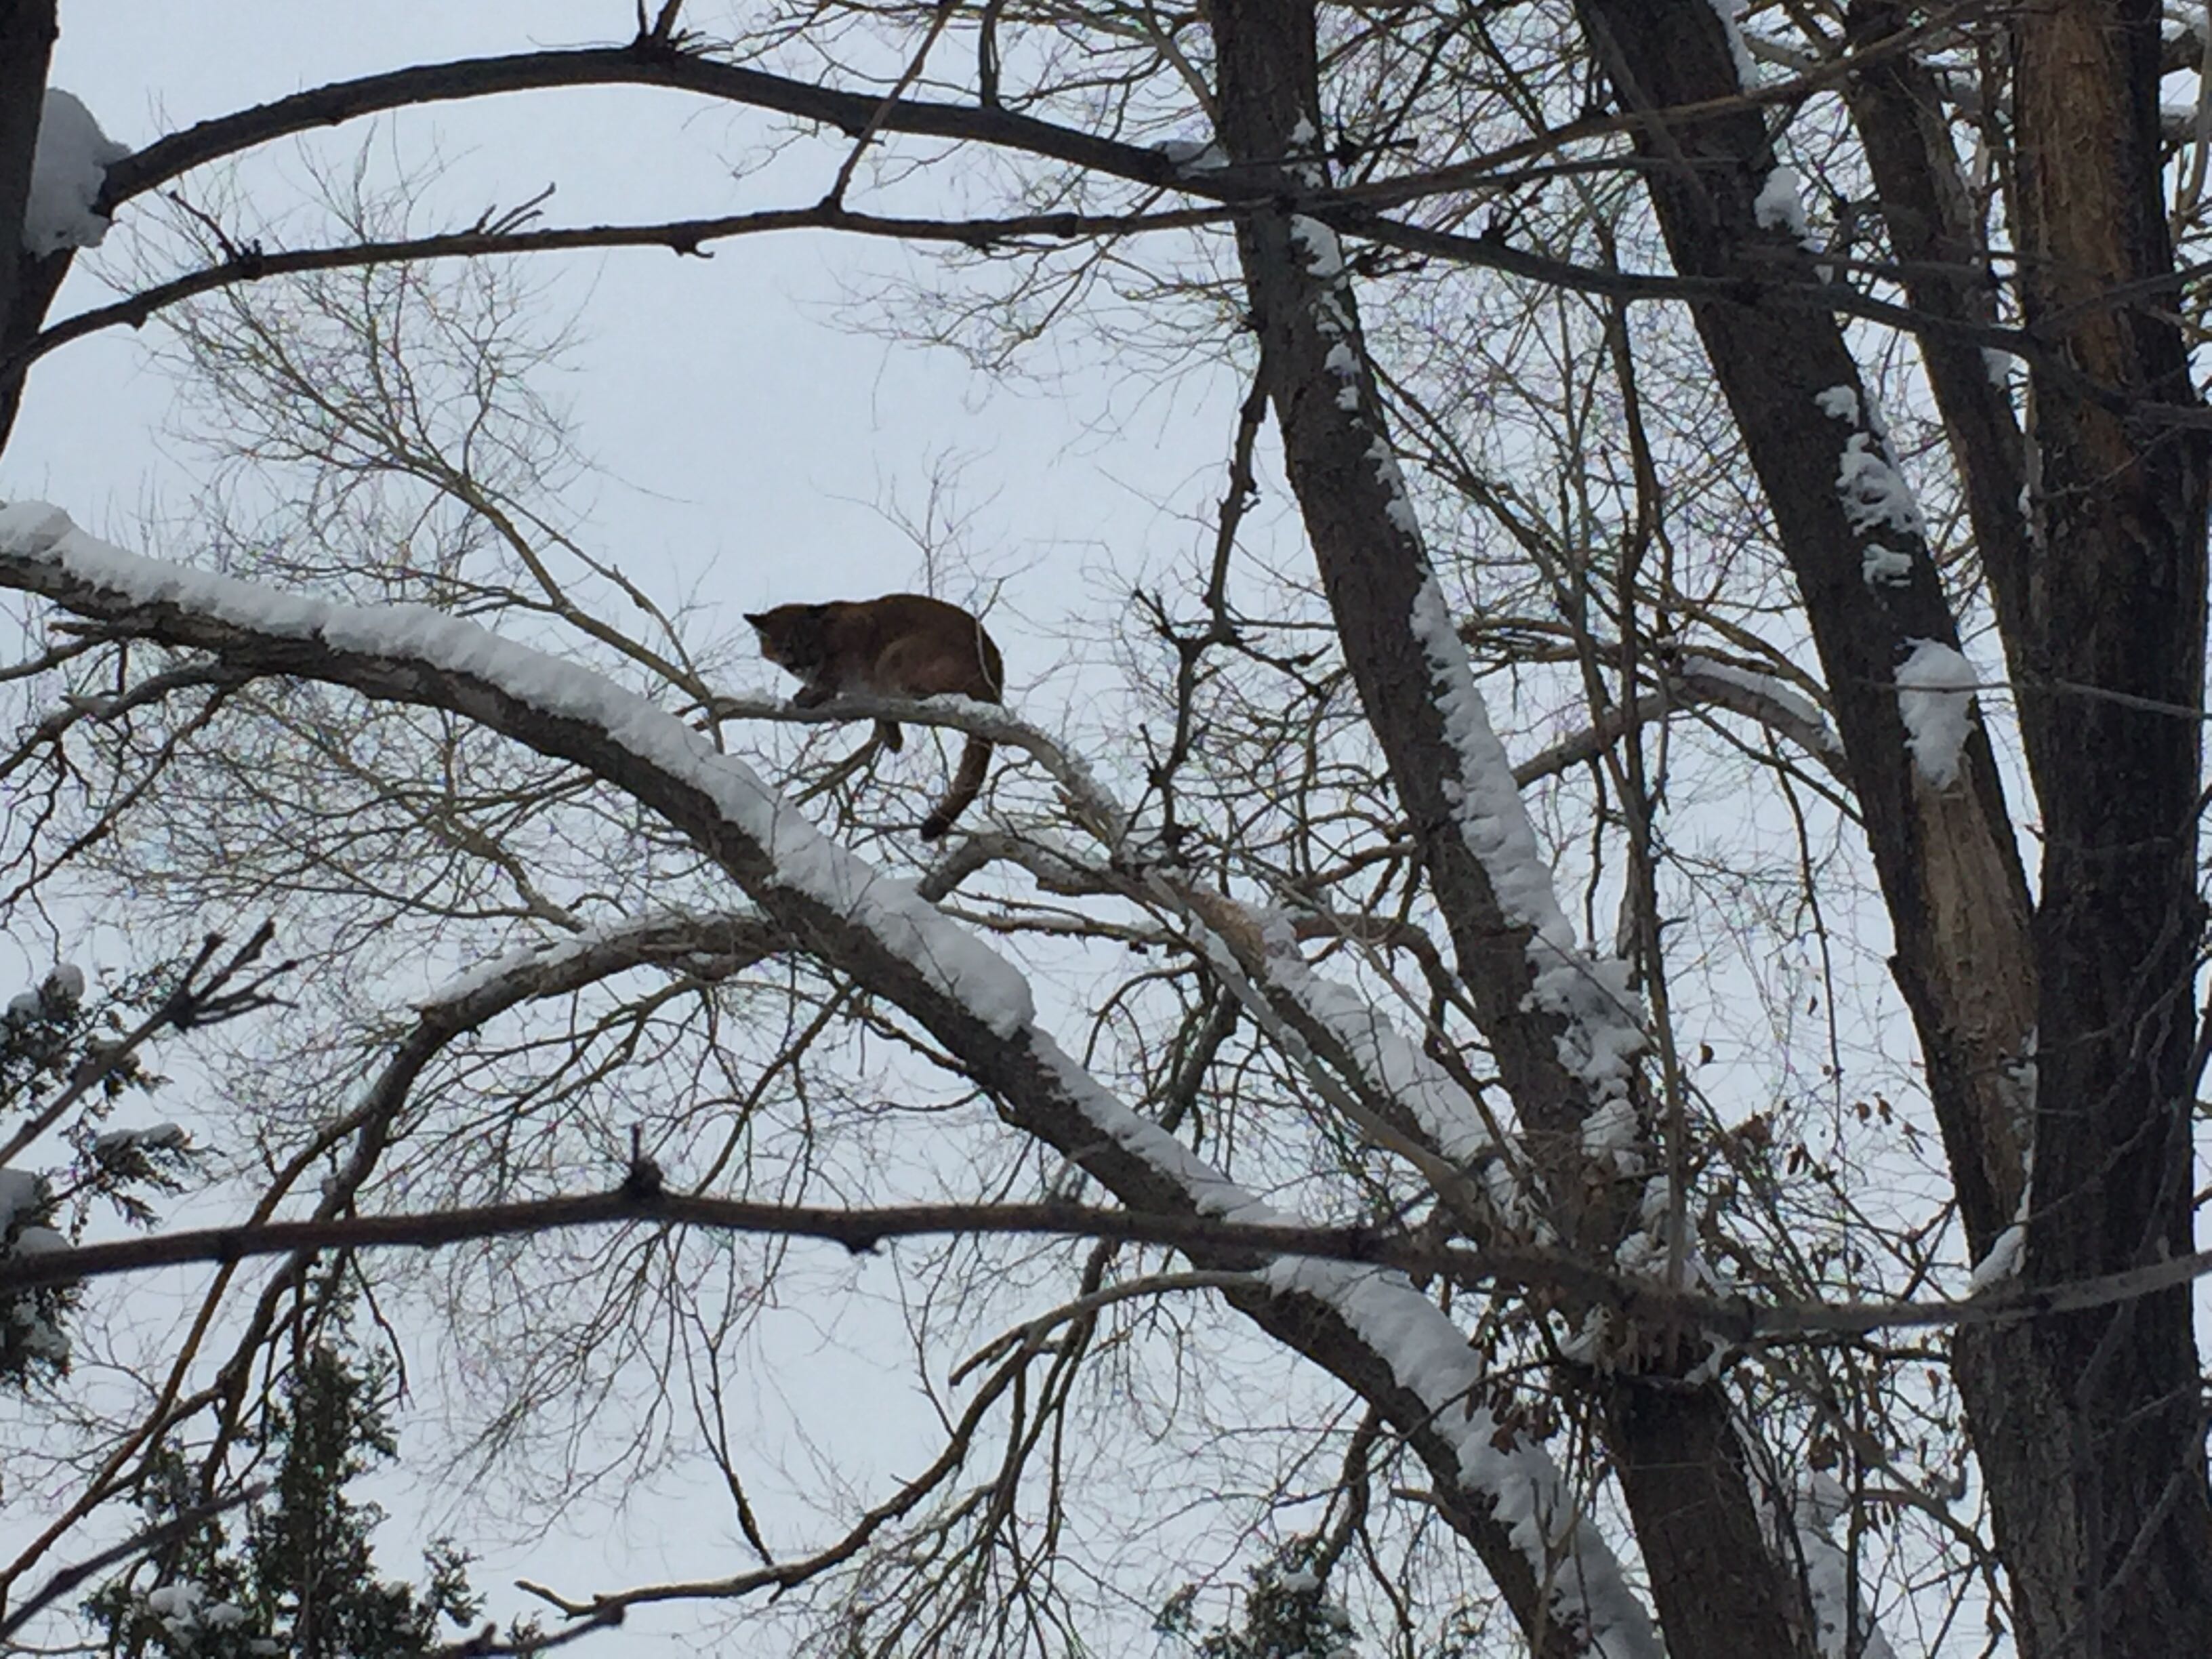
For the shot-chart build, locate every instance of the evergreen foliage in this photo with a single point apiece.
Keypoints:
(298, 1576)
(1287, 1614)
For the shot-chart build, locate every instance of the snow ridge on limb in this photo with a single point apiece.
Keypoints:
(1797, 1513)
(1248, 945)
(1362, 1064)
(944, 953)
(1395, 1064)
(1603, 1026)
(1772, 700)
(941, 975)
(1589, 1593)
(1087, 800)
(68, 170)
(1428, 1356)
(1780, 205)
(1935, 687)
(670, 937)
(1871, 487)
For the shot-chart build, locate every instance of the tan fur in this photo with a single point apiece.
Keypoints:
(902, 645)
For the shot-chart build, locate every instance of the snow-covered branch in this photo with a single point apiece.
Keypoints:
(1087, 798)
(1401, 1098)
(1368, 1325)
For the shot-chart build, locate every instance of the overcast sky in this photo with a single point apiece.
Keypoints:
(748, 425)
(746, 429)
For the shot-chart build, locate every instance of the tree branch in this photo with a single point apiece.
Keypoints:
(1735, 1319)
(1376, 1331)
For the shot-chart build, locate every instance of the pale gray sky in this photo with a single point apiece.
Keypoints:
(755, 427)
(744, 429)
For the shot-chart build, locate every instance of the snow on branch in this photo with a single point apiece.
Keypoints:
(1692, 682)
(1765, 698)
(1935, 687)
(1380, 1051)
(1604, 1023)
(417, 655)
(1730, 12)
(1089, 800)
(68, 170)
(711, 946)
(210, 989)
(1871, 487)
(1403, 1099)
(549, 967)
(1355, 1322)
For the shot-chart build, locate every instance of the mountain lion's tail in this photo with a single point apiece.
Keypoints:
(967, 783)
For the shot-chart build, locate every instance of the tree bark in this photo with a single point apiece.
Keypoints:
(1944, 265)
(2089, 1428)
(2117, 603)
(27, 43)
(1687, 1491)
(1944, 855)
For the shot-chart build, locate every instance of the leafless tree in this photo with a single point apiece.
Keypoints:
(1757, 1213)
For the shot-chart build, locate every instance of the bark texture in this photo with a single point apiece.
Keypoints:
(1945, 855)
(1937, 240)
(27, 43)
(2116, 605)
(2089, 1428)
(1690, 1499)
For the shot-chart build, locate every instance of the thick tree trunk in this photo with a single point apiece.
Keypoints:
(2116, 596)
(27, 285)
(2089, 1428)
(1944, 265)
(1721, 1588)
(1944, 853)
(27, 42)
(1364, 539)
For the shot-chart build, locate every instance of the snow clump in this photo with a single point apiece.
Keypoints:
(1935, 696)
(67, 172)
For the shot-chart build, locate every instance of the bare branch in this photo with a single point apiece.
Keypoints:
(194, 1001)
(139, 1543)
(1736, 1319)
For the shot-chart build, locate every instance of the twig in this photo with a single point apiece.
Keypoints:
(890, 101)
(206, 1003)
(486, 1643)
(1031, 1330)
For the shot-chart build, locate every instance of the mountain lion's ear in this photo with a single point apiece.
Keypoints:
(756, 617)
